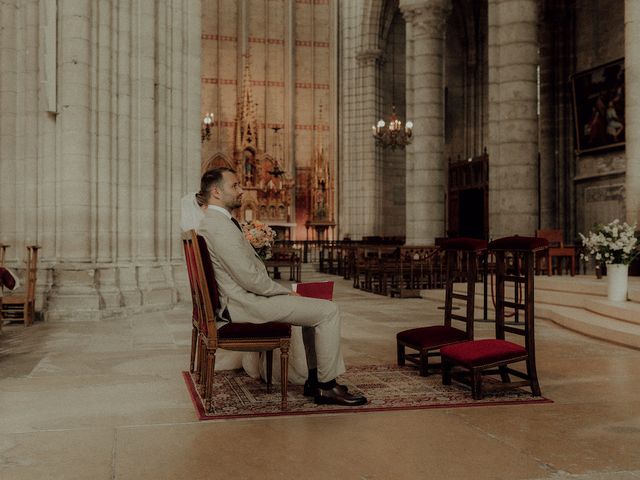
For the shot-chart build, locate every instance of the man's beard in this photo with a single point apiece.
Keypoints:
(237, 203)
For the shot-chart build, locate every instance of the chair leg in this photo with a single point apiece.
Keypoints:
(573, 265)
(533, 377)
(476, 384)
(284, 374)
(200, 368)
(208, 388)
(27, 314)
(504, 375)
(446, 372)
(400, 354)
(269, 369)
(424, 363)
(194, 345)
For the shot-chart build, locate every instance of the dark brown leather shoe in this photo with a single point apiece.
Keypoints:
(337, 396)
(312, 390)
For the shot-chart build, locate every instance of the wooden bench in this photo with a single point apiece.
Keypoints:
(285, 257)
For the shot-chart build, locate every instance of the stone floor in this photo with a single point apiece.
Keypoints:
(105, 400)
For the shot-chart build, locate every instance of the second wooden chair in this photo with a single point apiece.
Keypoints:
(428, 340)
(515, 257)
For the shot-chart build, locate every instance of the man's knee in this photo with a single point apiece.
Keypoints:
(330, 310)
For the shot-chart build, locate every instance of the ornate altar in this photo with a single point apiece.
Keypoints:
(266, 183)
(321, 198)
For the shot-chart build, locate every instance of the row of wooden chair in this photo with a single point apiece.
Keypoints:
(207, 336)
(385, 269)
(20, 306)
(388, 269)
(332, 257)
(463, 357)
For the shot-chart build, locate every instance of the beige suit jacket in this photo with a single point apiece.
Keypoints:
(244, 285)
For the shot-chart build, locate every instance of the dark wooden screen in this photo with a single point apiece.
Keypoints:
(468, 197)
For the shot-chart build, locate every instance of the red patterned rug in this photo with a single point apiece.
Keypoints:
(387, 387)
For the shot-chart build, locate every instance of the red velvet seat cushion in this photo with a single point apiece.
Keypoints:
(431, 337)
(464, 243)
(482, 352)
(238, 331)
(6, 279)
(519, 243)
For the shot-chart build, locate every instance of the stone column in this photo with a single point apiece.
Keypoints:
(74, 188)
(359, 168)
(129, 90)
(513, 123)
(9, 83)
(73, 289)
(99, 139)
(425, 156)
(632, 108)
(369, 173)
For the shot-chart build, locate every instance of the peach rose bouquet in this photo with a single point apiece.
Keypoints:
(261, 237)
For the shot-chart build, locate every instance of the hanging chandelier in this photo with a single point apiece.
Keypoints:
(392, 135)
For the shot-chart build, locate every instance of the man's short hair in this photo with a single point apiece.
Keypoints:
(210, 179)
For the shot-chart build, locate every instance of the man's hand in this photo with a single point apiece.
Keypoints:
(295, 294)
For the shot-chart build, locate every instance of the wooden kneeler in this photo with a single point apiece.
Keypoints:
(515, 263)
(427, 341)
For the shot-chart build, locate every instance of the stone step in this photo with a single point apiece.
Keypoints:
(584, 284)
(626, 311)
(592, 324)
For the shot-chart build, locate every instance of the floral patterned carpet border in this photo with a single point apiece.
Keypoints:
(387, 387)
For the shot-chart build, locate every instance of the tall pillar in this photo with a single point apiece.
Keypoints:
(360, 174)
(425, 156)
(369, 195)
(632, 108)
(513, 123)
(74, 186)
(557, 155)
(73, 280)
(9, 85)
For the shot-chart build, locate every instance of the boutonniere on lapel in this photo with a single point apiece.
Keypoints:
(261, 237)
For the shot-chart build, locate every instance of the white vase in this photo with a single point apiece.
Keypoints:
(617, 282)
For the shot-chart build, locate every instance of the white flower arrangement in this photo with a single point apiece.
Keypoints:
(614, 243)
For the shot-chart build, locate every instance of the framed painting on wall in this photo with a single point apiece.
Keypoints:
(598, 107)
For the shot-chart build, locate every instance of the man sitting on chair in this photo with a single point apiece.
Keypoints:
(247, 293)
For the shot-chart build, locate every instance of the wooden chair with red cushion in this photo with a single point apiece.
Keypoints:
(196, 318)
(557, 250)
(244, 337)
(515, 261)
(427, 341)
(21, 306)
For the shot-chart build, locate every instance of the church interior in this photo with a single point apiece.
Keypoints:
(369, 135)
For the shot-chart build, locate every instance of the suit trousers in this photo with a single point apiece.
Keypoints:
(320, 322)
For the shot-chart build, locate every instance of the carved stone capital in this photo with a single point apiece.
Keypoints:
(426, 17)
